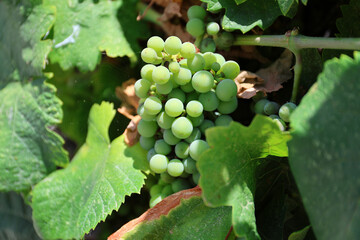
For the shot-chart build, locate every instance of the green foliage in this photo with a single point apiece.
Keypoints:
(70, 202)
(346, 25)
(245, 15)
(299, 235)
(29, 150)
(15, 218)
(323, 155)
(233, 184)
(189, 220)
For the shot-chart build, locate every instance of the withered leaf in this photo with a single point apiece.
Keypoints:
(267, 79)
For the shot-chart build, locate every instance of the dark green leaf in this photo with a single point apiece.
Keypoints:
(299, 235)
(189, 220)
(351, 15)
(15, 218)
(324, 154)
(286, 5)
(240, 149)
(70, 202)
(213, 5)
(29, 150)
(240, 1)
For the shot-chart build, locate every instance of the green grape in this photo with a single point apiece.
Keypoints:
(202, 81)
(155, 200)
(160, 75)
(197, 147)
(177, 93)
(146, 128)
(271, 108)
(170, 138)
(194, 108)
(152, 105)
(196, 12)
(172, 45)
(215, 66)
(226, 90)
(179, 185)
(205, 125)
(159, 58)
(175, 168)
(172, 79)
(189, 165)
(196, 134)
(145, 115)
(150, 154)
(225, 40)
(147, 143)
(220, 59)
(142, 87)
(182, 150)
(230, 69)
(228, 107)
(146, 72)
(209, 58)
(286, 110)
(183, 76)
(161, 182)
(273, 116)
(174, 107)
(195, 27)
(188, 50)
(164, 121)
(167, 190)
(223, 120)
(158, 163)
(155, 190)
(212, 28)
(156, 43)
(164, 88)
(196, 63)
(196, 177)
(207, 45)
(188, 88)
(161, 147)
(149, 55)
(182, 127)
(166, 177)
(191, 96)
(197, 120)
(281, 124)
(209, 101)
(184, 174)
(174, 67)
(183, 63)
(260, 105)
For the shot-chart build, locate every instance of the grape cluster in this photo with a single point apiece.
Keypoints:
(201, 26)
(185, 94)
(280, 114)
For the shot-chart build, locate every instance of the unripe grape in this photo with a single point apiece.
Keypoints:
(207, 45)
(195, 27)
(196, 12)
(212, 28)
(172, 45)
(156, 43)
(148, 55)
(286, 110)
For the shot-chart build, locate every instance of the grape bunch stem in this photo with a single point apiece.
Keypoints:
(295, 42)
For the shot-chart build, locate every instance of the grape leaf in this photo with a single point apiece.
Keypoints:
(324, 154)
(83, 29)
(189, 220)
(12, 64)
(286, 5)
(213, 5)
(15, 218)
(351, 14)
(246, 15)
(240, 1)
(70, 202)
(240, 149)
(29, 150)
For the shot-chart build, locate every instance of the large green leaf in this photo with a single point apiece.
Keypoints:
(15, 218)
(235, 152)
(29, 150)
(324, 152)
(83, 29)
(189, 220)
(247, 15)
(351, 15)
(70, 202)
(286, 5)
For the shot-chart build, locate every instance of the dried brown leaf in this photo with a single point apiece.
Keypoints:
(126, 93)
(267, 79)
(131, 134)
(170, 11)
(162, 208)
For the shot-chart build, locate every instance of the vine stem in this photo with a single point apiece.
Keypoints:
(295, 42)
